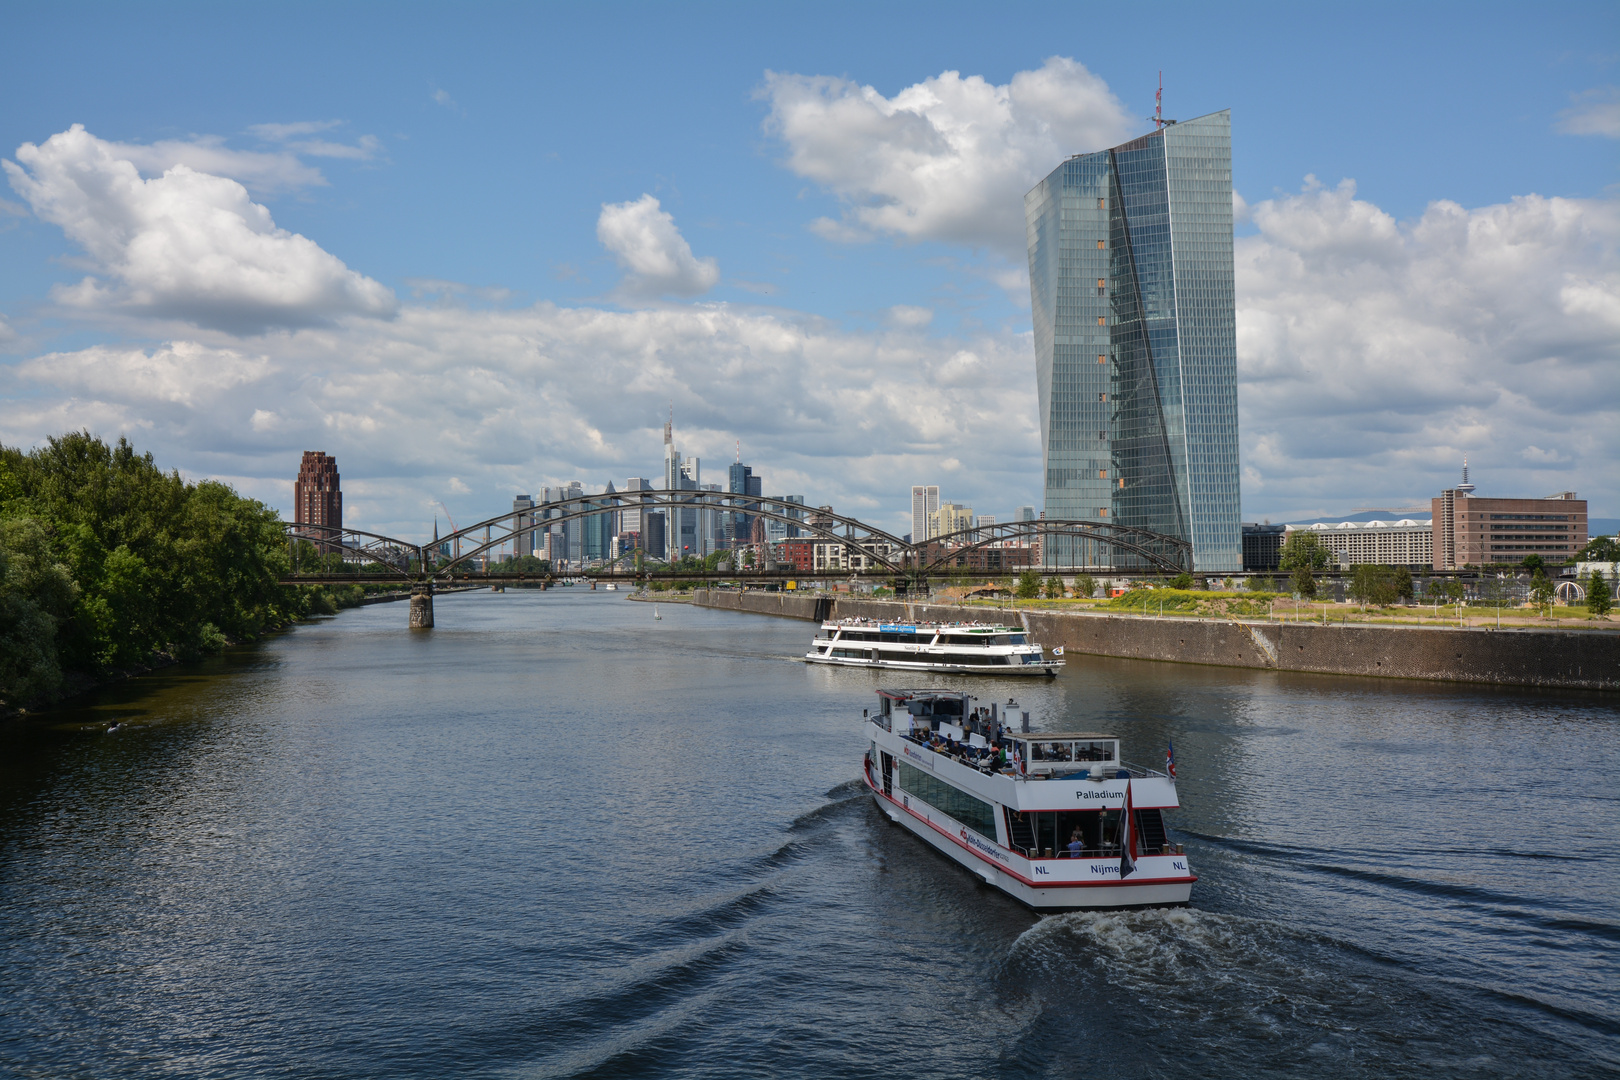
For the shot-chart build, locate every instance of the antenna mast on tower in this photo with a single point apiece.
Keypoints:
(1158, 119)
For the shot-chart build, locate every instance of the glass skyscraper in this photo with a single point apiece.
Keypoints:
(1130, 275)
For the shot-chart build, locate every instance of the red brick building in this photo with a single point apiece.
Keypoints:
(799, 554)
(317, 498)
(1471, 531)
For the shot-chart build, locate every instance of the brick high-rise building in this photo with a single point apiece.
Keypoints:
(317, 498)
(1474, 531)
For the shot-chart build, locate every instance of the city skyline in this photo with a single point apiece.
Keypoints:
(463, 287)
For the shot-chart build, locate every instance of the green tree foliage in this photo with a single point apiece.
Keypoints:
(1403, 583)
(1379, 585)
(1541, 593)
(1598, 600)
(1029, 585)
(1533, 563)
(36, 596)
(1181, 581)
(1054, 588)
(1600, 549)
(152, 563)
(1302, 555)
(1447, 591)
(1085, 585)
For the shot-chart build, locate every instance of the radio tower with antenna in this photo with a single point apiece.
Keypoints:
(1158, 119)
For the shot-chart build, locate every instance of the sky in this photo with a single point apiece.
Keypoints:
(474, 250)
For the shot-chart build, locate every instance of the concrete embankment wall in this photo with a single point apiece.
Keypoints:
(1576, 659)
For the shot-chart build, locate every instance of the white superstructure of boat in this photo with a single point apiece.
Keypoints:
(948, 648)
(1064, 824)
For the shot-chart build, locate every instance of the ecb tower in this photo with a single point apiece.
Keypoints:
(1130, 275)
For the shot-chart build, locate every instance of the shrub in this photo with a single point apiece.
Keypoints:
(1085, 585)
(1598, 600)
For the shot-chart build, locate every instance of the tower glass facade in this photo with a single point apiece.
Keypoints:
(1130, 266)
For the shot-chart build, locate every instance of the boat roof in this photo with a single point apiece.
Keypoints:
(1056, 736)
(969, 627)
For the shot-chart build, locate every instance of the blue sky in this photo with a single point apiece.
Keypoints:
(461, 158)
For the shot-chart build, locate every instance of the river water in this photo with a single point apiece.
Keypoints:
(556, 837)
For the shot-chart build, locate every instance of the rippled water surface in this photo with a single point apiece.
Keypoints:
(554, 837)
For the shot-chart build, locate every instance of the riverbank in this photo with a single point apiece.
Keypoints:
(1565, 659)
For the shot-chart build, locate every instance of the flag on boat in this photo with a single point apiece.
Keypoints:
(1057, 651)
(1170, 758)
(1127, 865)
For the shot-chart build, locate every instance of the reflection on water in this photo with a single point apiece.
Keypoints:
(553, 837)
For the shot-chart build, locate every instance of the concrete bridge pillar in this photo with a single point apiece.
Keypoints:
(422, 606)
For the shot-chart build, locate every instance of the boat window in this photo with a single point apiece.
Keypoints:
(1018, 639)
(976, 814)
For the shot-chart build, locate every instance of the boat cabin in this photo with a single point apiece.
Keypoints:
(1055, 753)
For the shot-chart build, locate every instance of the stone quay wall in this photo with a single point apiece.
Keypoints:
(1565, 659)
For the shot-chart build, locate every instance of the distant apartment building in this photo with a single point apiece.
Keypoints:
(949, 518)
(318, 499)
(924, 504)
(799, 554)
(1406, 543)
(1474, 531)
(831, 556)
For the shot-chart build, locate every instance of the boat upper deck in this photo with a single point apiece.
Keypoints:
(961, 633)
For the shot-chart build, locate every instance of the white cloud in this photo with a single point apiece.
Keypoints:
(910, 317)
(184, 245)
(655, 256)
(509, 400)
(6, 332)
(294, 135)
(1593, 112)
(1374, 354)
(266, 173)
(948, 158)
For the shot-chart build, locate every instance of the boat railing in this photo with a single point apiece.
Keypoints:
(1106, 851)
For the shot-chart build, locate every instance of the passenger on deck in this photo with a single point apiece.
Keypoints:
(1077, 843)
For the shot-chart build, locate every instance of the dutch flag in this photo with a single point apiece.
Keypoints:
(1127, 865)
(1170, 758)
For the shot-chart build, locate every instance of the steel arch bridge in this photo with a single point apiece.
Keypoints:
(884, 553)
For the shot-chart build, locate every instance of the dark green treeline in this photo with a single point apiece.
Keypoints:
(106, 561)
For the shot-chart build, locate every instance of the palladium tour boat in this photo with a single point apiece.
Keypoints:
(949, 648)
(1053, 819)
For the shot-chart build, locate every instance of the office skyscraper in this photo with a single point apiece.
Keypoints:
(924, 503)
(1130, 273)
(318, 500)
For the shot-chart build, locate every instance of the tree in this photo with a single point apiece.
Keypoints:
(1303, 554)
(1181, 581)
(1085, 585)
(1598, 600)
(1054, 588)
(1403, 583)
(1541, 593)
(36, 595)
(1533, 563)
(1600, 549)
(1029, 585)
(1372, 584)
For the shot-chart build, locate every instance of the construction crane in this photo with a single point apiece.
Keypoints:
(453, 529)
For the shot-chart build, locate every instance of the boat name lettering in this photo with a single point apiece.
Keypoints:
(896, 629)
(1105, 868)
(921, 759)
(989, 849)
(1097, 793)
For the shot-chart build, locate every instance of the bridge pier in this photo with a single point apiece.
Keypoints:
(422, 606)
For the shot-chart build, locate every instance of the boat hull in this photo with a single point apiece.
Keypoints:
(1018, 878)
(1046, 669)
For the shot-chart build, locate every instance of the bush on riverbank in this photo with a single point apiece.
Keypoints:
(108, 563)
(1195, 602)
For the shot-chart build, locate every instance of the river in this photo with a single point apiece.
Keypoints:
(555, 837)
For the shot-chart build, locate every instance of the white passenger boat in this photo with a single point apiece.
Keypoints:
(949, 648)
(1062, 824)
